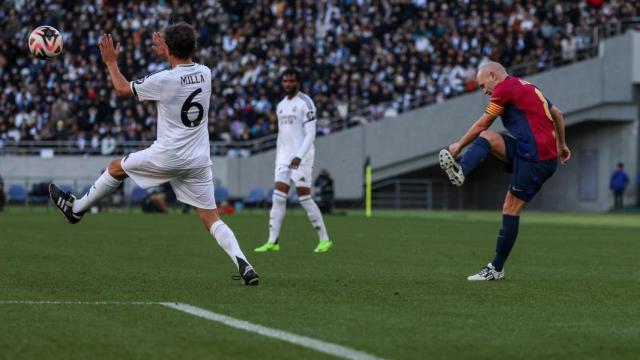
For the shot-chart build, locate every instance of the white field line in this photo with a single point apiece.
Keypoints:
(307, 342)
(317, 345)
(22, 302)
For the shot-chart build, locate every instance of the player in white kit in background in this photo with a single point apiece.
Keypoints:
(294, 161)
(180, 155)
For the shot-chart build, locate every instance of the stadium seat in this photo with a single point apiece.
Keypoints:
(293, 196)
(255, 197)
(85, 190)
(221, 193)
(39, 193)
(269, 198)
(138, 194)
(17, 194)
(66, 188)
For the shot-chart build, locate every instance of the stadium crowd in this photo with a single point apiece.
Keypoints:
(361, 59)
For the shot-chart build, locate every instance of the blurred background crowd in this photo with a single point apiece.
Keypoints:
(361, 59)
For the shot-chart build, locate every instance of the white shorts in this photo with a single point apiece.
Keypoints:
(192, 186)
(301, 177)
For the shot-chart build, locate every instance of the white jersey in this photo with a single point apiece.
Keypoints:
(292, 115)
(183, 95)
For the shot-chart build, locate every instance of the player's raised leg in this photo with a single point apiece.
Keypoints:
(227, 241)
(276, 215)
(487, 142)
(73, 209)
(315, 217)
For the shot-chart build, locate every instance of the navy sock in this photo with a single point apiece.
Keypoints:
(476, 153)
(506, 239)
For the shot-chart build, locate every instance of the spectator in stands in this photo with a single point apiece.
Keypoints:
(323, 191)
(569, 48)
(157, 199)
(618, 184)
(108, 144)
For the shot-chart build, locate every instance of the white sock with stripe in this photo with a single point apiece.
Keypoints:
(315, 216)
(227, 240)
(278, 209)
(105, 185)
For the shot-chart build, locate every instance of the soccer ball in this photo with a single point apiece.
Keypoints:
(45, 42)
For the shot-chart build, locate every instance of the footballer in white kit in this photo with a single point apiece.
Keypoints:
(180, 155)
(295, 154)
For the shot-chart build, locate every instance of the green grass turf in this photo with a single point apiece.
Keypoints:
(393, 286)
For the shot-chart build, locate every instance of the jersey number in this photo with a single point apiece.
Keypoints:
(545, 104)
(187, 106)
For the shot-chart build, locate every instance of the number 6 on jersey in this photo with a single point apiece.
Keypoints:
(186, 107)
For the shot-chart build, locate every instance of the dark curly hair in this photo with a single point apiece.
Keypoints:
(290, 72)
(181, 40)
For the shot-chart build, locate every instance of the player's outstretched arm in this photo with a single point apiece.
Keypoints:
(482, 124)
(558, 121)
(110, 54)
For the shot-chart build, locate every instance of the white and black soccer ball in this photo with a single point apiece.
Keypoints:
(45, 42)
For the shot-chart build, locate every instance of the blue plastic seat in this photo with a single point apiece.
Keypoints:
(42, 191)
(256, 196)
(66, 188)
(221, 193)
(17, 194)
(269, 198)
(138, 194)
(85, 190)
(293, 197)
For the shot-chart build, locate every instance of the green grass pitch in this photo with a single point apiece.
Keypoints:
(393, 286)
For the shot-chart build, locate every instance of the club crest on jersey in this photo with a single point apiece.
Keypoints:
(190, 79)
(295, 108)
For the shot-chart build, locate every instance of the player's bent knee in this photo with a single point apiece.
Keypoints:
(487, 134)
(115, 169)
(303, 191)
(280, 186)
(513, 205)
(208, 217)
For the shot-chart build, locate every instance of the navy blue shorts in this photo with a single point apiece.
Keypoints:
(527, 176)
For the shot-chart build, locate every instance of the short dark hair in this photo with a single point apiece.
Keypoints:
(620, 165)
(181, 40)
(290, 72)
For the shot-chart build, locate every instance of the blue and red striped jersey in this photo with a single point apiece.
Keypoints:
(525, 113)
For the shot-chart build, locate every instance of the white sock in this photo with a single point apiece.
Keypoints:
(227, 240)
(278, 209)
(105, 185)
(315, 216)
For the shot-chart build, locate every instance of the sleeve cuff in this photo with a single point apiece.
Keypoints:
(133, 89)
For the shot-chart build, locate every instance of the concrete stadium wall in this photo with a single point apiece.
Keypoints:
(635, 45)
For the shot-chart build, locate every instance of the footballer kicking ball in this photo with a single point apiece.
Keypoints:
(45, 42)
